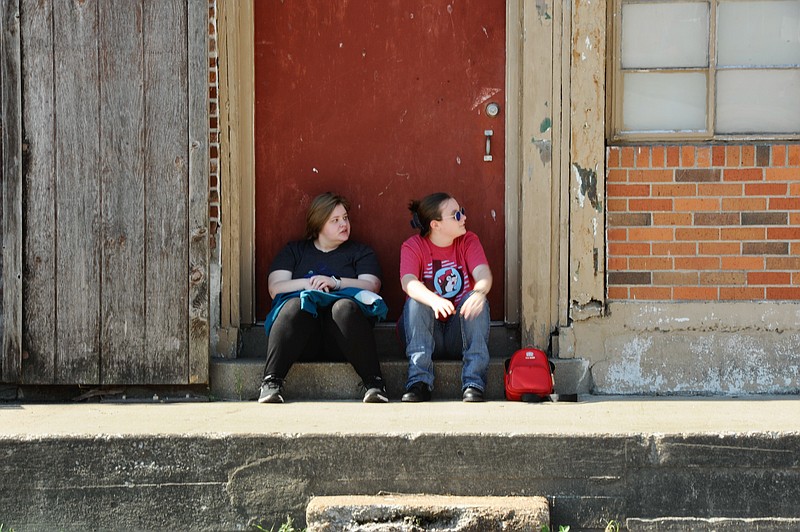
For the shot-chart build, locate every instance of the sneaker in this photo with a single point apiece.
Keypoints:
(271, 390)
(376, 391)
(472, 395)
(417, 393)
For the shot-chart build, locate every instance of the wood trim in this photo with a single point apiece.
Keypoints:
(198, 282)
(11, 104)
(513, 295)
(562, 54)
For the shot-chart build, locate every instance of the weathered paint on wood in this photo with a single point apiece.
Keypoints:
(587, 157)
(10, 98)
(39, 217)
(538, 184)
(115, 192)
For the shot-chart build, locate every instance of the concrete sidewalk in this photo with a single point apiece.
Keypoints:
(608, 415)
(231, 465)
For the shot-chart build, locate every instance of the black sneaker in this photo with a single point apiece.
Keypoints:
(376, 391)
(472, 395)
(417, 393)
(271, 390)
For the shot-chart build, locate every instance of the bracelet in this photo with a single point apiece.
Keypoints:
(337, 281)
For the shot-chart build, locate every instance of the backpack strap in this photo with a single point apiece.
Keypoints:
(552, 398)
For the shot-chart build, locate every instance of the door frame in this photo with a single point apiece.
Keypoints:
(535, 297)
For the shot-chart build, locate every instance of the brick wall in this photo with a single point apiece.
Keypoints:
(716, 223)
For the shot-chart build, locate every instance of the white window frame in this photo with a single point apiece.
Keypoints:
(615, 86)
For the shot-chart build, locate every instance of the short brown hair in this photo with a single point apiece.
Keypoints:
(320, 210)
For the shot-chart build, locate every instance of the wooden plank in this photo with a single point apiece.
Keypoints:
(10, 103)
(562, 17)
(78, 240)
(198, 282)
(537, 175)
(122, 189)
(166, 168)
(514, 42)
(39, 294)
(587, 158)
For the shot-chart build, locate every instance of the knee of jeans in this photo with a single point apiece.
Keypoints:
(344, 307)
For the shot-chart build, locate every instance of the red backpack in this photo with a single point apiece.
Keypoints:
(529, 377)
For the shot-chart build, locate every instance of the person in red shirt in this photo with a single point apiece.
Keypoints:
(445, 274)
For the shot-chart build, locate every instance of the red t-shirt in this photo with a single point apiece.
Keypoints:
(444, 271)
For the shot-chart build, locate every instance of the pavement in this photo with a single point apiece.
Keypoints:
(592, 415)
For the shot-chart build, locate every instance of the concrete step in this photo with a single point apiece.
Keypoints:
(240, 379)
(718, 524)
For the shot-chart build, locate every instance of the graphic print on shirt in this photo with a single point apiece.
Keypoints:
(447, 279)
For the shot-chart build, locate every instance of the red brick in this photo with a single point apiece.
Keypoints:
(748, 155)
(778, 155)
(650, 293)
(718, 155)
(658, 157)
(744, 204)
(613, 156)
(695, 293)
(728, 278)
(782, 174)
(697, 263)
(765, 189)
(650, 263)
(703, 156)
(617, 292)
(630, 248)
(783, 233)
(742, 263)
(617, 205)
(676, 278)
(794, 218)
(674, 248)
(617, 235)
(794, 155)
(783, 293)
(743, 174)
(769, 278)
(651, 176)
(743, 233)
(672, 190)
(720, 248)
(784, 263)
(673, 156)
(733, 156)
(626, 191)
(784, 204)
(741, 293)
(617, 264)
(695, 234)
(649, 234)
(650, 205)
(696, 204)
(719, 189)
(687, 156)
(642, 156)
(672, 218)
(626, 157)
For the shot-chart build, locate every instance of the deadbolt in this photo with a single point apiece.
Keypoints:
(492, 109)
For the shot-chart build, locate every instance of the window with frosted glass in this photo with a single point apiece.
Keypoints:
(707, 68)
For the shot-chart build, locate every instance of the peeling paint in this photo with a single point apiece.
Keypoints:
(545, 148)
(545, 125)
(542, 9)
(586, 180)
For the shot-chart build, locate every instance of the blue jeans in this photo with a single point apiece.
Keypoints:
(467, 339)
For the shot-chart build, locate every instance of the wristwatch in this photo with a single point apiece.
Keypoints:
(337, 281)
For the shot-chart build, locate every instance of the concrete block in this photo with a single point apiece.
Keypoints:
(412, 513)
(681, 524)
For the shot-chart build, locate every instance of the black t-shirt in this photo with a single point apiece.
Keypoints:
(304, 260)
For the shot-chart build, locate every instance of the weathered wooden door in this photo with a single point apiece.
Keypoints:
(382, 101)
(105, 261)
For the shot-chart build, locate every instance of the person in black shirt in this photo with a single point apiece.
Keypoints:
(328, 261)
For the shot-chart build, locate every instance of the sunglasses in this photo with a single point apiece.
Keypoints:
(458, 215)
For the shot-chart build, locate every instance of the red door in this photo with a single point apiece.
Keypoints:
(382, 101)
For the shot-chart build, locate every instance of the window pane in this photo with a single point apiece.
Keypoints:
(758, 101)
(664, 102)
(665, 35)
(759, 33)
